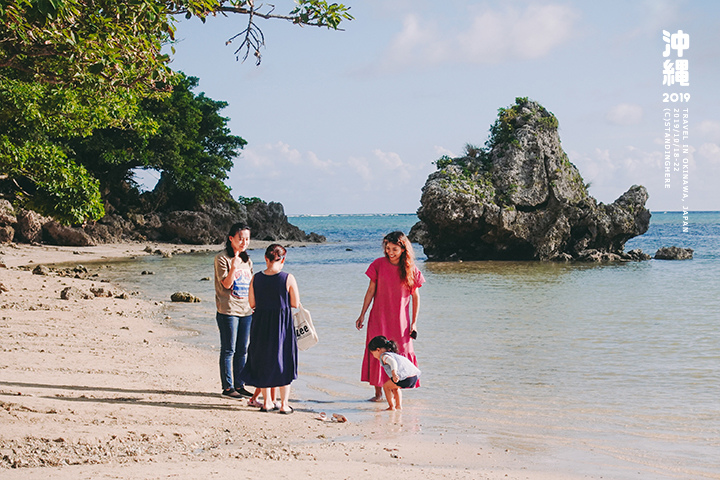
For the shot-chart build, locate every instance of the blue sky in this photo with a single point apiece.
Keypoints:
(351, 121)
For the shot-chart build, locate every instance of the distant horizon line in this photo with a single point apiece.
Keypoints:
(406, 214)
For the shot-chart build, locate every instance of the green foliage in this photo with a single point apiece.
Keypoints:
(70, 67)
(66, 68)
(502, 132)
(46, 181)
(320, 13)
(443, 162)
(475, 160)
(473, 151)
(105, 44)
(192, 148)
(247, 201)
(549, 123)
(39, 173)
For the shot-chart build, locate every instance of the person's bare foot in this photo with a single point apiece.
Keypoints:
(390, 409)
(376, 399)
(267, 408)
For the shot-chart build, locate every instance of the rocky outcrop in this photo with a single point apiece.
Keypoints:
(674, 253)
(268, 221)
(57, 234)
(8, 221)
(522, 199)
(30, 226)
(208, 225)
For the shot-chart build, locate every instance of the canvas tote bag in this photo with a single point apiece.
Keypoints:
(304, 329)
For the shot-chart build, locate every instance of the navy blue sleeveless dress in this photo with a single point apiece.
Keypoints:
(272, 353)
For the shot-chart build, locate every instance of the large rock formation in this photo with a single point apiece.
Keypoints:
(208, 225)
(522, 199)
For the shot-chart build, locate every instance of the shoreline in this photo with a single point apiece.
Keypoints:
(19, 255)
(82, 397)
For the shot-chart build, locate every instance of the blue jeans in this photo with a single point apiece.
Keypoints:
(234, 340)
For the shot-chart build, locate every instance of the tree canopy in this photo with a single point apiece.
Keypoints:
(191, 147)
(71, 67)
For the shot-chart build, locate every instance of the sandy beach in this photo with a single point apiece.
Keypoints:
(106, 387)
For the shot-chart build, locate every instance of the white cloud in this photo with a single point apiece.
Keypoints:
(612, 172)
(416, 39)
(305, 183)
(268, 158)
(491, 37)
(362, 167)
(711, 129)
(320, 164)
(710, 151)
(533, 33)
(657, 15)
(625, 114)
(389, 159)
(440, 151)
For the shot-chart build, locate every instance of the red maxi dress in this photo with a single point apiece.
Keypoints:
(389, 316)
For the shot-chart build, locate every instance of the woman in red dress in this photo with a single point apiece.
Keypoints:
(394, 281)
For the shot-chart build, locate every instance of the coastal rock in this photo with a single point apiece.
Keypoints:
(268, 221)
(102, 292)
(41, 270)
(674, 253)
(207, 225)
(58, 234)
(197, 228)
(313, 237)
(74, 293)
(7, 233)
(638, 255)
(112, 228)
(29, 226)
(8, 220)
(7, 213)
(522, 199)
(184, 297)
(78, 271)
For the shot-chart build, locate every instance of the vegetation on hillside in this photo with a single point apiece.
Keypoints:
(77, 76)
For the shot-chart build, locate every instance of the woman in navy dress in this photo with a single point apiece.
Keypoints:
(272, 353)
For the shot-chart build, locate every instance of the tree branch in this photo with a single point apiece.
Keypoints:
(269, 15)
(254, 38)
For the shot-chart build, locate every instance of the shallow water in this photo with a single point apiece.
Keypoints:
(592, 368)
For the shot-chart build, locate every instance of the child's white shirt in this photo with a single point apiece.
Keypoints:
(401, 365)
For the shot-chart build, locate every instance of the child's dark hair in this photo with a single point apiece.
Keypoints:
(237, 227)
(275, 252)
(382, 342)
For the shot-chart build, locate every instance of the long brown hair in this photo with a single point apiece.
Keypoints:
(407, 257)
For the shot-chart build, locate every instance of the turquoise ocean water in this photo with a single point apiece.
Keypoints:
(610, 370)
